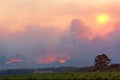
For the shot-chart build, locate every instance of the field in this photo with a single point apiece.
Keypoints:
(66, 75)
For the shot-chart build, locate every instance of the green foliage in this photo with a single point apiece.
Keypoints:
(66, 75)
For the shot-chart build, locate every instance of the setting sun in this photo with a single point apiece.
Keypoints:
(102, 19)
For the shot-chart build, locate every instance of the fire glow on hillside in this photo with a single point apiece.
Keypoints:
(13, 60)
(52, 58)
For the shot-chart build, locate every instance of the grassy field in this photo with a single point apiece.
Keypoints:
(66, 75)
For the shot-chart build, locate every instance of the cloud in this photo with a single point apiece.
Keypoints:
(83, 50)
(34, 42)
(40, 46)
(75, 41)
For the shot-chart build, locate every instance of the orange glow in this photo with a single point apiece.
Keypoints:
(62, 61)
(12, 60)
(49, 59)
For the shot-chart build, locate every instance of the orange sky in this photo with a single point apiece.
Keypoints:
(16, 14)
(37, 28)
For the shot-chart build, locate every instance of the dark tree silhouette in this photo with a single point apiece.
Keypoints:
(101, 61)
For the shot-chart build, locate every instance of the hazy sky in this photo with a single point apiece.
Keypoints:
(17, 13)
(58, 32)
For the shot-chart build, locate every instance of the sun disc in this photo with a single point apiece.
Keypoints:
(102, 19)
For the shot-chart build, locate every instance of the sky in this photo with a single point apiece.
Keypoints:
(51, 33)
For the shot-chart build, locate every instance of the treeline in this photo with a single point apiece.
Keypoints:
(101, 63)
(110, 68)
(16, 71)
(30, 71)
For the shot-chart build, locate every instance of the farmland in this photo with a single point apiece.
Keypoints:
(65, 75)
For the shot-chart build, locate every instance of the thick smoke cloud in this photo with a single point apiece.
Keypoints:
(39, 47)
(32, 43)
(78, 43)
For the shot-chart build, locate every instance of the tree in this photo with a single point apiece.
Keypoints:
(101, 61)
